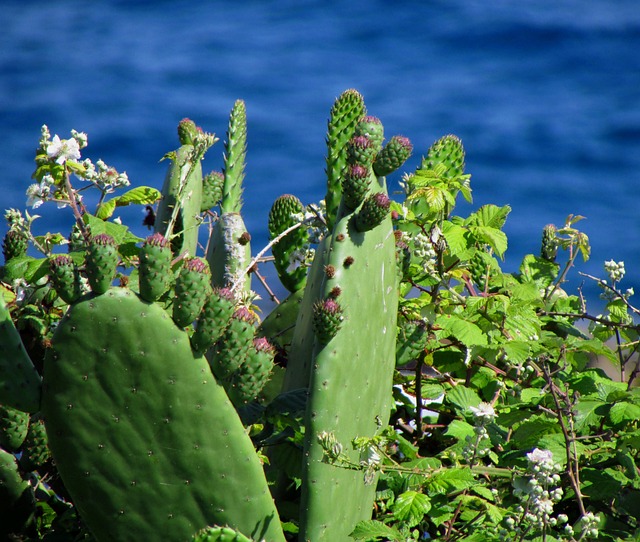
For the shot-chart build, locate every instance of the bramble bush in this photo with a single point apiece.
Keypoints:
(502, 427)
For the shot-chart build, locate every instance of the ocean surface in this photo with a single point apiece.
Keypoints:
(544, 94)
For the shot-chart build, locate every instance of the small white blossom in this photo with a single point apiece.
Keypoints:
(80, 137)
(483, 413)
(540, 457)
(63, 149)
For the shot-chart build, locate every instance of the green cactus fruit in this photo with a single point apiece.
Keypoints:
(392, 156)
(35, 449)
(20, 383)
(154, 273)
(234, 344)
(182, 188)
(285, 213)
(65, 278)
(449, 152)
(214, 319)
(17, 498)
(212, 185)
(355, 185)
(253, 374)
(411, 341)
(187, 132)
(327, 320)
(235, 159)
(347, 110)
(361, 151)
(101, 261)
(14, 425)
(144, 438)
(76, 239)
(372, 128)
(374, 210)
(549, 248)
(219, 534)
(15, 244)
(191, 291)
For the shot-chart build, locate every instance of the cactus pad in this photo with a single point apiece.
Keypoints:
(144, 438)
(101, 262)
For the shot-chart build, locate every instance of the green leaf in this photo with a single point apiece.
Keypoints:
(528, 434)
(455, 236)
(464, 331)
(375, 530)
(411, 507)
(459, 430)
(463, 397)
(450, 480)
(141, 195)
(106, 208)
(624, 412)
(490, 216)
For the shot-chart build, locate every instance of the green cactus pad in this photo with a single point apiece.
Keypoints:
(20, 383)
(182, 187)
(16, 496)
(145, 440)
(350, 376)
(154, 272)
(229, 253)
(235, 159)
(392, 156)
(14, 425)
(100, 262)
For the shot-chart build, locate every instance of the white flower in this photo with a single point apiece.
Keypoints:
(37, 194)
(540, 457)
(484, 412)
(63, 149)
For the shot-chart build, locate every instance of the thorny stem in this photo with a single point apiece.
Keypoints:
(74, 205)
(573, 469)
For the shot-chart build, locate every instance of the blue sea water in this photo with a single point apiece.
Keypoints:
(544, 94)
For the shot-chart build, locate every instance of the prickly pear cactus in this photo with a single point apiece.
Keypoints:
(20, 383)
(344, 348)
(229, 251)
(144, 438)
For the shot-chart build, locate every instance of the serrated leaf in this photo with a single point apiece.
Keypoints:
(459, 430)
(490, 216)
(464, 331)
(450, 480)
(624, 412)
(455, 236)
(141, 195)
(493, 237)
(463, 397)
(410, 507)
(106, 208)
(375, 530)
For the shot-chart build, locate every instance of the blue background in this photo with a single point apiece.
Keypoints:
(544, 94)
